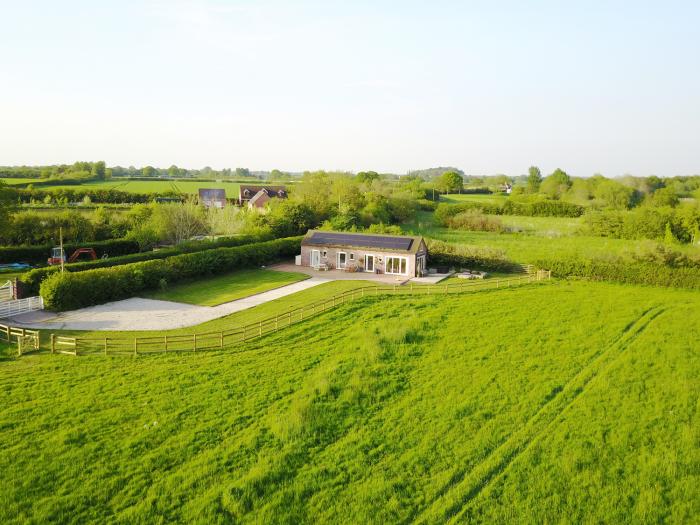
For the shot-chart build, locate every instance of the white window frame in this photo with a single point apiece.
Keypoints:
(386, 265)
(374, 262)
(352, 257)
(337, 260)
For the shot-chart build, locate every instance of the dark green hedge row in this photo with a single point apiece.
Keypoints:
(39, 254)
(33, 278)
(624, 272)
(71, 290)
(97, 196)
(540, 208)
(472, 257)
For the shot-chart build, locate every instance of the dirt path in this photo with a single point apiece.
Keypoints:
(150, 314)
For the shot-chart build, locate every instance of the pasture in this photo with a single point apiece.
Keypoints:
(495, 406)
(213, 291)
(534, 238)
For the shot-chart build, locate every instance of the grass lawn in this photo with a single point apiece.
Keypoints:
(491, 198)
(228, 287)
(515, 406)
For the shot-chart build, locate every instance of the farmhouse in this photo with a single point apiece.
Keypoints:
(258, 196)
(389, 254)
(212, 198)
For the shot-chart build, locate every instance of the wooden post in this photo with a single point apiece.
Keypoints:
(53, 343)
(277, 322)
(260, 329)
(165, 341)
(194, 342)
(244, 333)
(136, 346)
(290, 318)
(221, 339)
(105, 346)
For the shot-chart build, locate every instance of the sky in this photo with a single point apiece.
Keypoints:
(490, 87)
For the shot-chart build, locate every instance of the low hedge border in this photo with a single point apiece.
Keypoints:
(527, 209)
(33, 278)
(71, 290)
(39, 254)
(624, 272)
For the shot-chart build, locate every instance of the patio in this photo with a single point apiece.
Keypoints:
(340, 275)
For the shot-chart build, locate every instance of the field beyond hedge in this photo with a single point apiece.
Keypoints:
(523, 406)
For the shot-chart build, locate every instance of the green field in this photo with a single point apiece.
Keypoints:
(228, 287)
(566, 401)
(456, 198)
(148, 186)
(539, 238)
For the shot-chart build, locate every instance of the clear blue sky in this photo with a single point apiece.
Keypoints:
(490, 87)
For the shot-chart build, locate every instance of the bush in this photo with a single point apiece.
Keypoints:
(71, 290)
(537, 208)
(474, 220)
(476, 257)
(39, 254)
(33, 278)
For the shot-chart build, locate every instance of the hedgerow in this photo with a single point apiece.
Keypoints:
(71, 290)
(33, 278)
(539, 208)
(457, 256)
(39, 254)
(622, 271)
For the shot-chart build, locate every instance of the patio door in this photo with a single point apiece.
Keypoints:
(369, 263)
(315, 258)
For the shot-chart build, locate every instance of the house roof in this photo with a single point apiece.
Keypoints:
(273, 191)
(379, 242)
(258, 196)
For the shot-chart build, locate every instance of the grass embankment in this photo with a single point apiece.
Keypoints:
(520, 405)
(228, 287)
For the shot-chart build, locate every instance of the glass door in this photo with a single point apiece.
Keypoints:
(369, 263)
(315, 258)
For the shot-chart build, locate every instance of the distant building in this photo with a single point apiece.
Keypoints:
(212, 198)
(507, 188)
(246, 194)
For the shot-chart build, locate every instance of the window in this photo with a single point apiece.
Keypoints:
(396, 265)
(324, 253)
(352, 256)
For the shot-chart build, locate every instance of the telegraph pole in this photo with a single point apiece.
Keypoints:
(60, 238)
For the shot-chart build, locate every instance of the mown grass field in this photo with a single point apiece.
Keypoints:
(227, 287)
(568, 401)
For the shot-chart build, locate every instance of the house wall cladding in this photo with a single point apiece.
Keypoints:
(380, 257)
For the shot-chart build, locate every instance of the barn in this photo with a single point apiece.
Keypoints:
(373, 253)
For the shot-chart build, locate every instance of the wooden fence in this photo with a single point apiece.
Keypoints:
(236, 336)
(27, 340)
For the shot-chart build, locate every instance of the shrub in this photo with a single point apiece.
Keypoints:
(474, 220)
(71, 290)
(477, 257)
(536, 208)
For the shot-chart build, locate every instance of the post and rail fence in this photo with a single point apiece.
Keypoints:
(235, 336)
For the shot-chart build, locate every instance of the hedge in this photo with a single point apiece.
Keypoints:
(540, 208)
(624, 272)
(71, 290)
(39, 254)
(473, 257)
(33, 278)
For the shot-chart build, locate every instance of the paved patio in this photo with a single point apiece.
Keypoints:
(340, 275)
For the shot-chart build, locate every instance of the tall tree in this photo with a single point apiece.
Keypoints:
(534, 179)
(450, 182)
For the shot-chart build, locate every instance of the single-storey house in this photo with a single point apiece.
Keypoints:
(262, 194)
(212, 198)
(374, 253)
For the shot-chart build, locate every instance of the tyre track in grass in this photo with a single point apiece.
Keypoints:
(451, 502)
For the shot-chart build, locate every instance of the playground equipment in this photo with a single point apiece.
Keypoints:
(58, 255)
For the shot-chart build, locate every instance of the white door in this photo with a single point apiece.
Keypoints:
(315, 258)
(342, 260)
(369, 263)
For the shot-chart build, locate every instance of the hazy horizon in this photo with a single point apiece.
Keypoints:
(602, 87)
